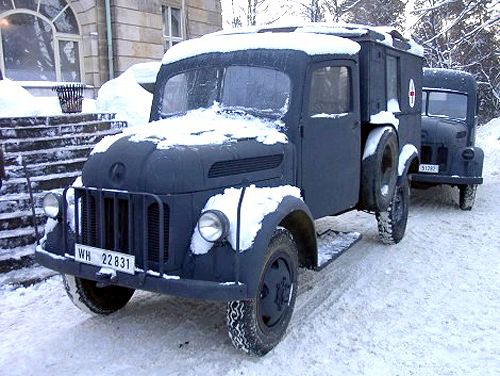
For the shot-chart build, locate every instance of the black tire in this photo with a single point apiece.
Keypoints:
(379, 173)
(392, 222)
(467, 196)
(257, 326)
(97, 300)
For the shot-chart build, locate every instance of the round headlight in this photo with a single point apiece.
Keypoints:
(468, 154)
(213, 225)
(52, 204)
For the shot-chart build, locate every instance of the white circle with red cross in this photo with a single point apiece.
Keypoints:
(411, 93)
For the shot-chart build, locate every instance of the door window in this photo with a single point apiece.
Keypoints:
(330, 92)
(392, 83)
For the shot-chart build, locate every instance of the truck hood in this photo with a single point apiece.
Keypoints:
(443, 131)
(143, 166)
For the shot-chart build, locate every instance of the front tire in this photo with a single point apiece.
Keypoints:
(392, 222)
(256, 326)
(379, 170)
(89, 298)
(467, 196)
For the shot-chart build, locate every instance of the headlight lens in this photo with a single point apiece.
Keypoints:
(213, 225)
(52, 204)
(468, 154)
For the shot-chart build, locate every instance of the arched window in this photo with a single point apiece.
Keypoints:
(39, 41)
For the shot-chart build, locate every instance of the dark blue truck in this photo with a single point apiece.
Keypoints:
(449, 119)
(253, 135)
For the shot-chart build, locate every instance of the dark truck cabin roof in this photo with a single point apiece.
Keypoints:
(449, 79)
(453, 80)
(355, 32)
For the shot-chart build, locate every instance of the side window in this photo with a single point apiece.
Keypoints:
(392, 83)
(424, 102)
(330, 91)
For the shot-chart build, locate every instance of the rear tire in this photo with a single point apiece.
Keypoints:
(379, 172)
(467, 196)
(89, 298)
(392, 222)
(256, 326)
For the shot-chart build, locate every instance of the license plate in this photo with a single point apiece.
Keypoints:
(103, 257)
(429, 168)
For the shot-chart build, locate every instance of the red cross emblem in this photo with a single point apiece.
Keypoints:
(411, 93)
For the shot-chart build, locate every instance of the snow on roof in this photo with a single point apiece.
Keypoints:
(204, 126)
(145, 72)
(328, 28)
(311, 44)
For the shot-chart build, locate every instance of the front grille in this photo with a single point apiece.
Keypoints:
(426, 154)
(442, 156)
(154, 231)
(111, 221)
(245, 165)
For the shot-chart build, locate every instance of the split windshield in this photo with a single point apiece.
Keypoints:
(444, 104)
(253, 90)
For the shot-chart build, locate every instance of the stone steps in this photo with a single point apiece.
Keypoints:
(54, 150)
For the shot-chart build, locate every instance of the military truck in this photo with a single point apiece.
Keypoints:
(254, 134)
(449, 119)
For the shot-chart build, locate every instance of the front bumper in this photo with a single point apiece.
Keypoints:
(149, 281)
(446, 179)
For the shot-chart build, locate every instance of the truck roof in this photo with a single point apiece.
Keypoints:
(449, 79)
(309, 43)
(386, 35)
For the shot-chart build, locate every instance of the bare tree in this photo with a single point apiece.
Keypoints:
(464, 35)
(313, 10)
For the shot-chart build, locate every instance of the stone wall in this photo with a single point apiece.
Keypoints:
(137, 31)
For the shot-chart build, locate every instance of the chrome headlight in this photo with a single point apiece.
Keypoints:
(213, 225)
(468, 154)
(52, 204)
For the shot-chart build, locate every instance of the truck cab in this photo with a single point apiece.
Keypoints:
(253, 135)
(449, 119)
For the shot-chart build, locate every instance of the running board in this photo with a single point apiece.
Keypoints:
(331, 244)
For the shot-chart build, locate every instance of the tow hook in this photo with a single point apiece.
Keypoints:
(105, 276)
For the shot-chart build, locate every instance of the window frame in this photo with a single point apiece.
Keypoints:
(169, 39)
(57, 37)
(331, 64)
(398, 82)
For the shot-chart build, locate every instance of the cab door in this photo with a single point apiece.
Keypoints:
(331, 138)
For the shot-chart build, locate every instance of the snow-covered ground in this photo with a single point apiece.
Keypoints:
(427, 306)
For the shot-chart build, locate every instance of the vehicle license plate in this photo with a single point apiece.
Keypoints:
(429, 168)
(102, 257)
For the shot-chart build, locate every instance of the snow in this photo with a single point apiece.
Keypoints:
(15, 101)
(204, 126)
(145, 72)
(125, 97)
(257, 203)
(384, 117)
(374, 139)
(333, 243)
(426, 306)
(329, 116)
(393, 105)
(407, 152)
(311, 44)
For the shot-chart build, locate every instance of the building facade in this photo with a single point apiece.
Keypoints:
(91, 41)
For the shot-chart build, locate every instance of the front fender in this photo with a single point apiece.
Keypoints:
(252, 260)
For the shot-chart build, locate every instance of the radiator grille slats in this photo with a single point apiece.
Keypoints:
(123, 231)
(244, 165)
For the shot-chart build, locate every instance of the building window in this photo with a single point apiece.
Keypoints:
(39, 41)
(392, 83)
(330, 91)
(172, 26)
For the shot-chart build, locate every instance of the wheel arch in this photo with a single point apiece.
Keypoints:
(292, 214)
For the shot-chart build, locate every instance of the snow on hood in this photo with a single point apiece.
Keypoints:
(311, 44)
(16, 101)
(257, 203)
(125, 97)
(205, 126)
(145, 72)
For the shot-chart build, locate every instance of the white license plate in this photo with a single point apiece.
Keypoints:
(429, 168)
(103, 257)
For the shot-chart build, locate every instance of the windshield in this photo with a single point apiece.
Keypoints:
(255, 90)
(440, 103)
